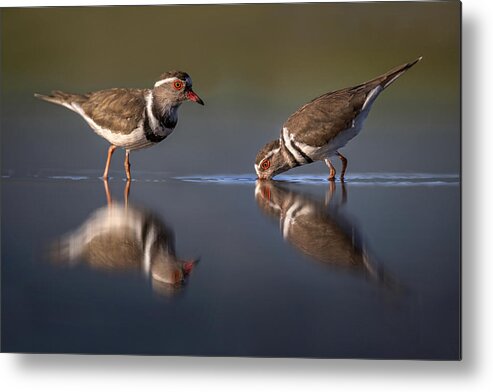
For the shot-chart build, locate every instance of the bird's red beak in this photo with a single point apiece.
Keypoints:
(194, 97)
(188, 266)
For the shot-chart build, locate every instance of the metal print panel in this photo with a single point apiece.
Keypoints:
(240, 180)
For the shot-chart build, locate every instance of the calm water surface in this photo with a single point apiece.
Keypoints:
(223, 266)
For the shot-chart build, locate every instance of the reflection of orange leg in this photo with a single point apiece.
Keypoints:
(127, 193)
(127, 164)
(344, 164)
(344, 193)
(332, 174)
(108, 193)
(111, 150)
(330, 192)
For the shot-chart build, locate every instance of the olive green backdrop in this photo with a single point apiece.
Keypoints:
(252, 64)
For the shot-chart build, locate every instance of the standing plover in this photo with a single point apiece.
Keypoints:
(131, 118)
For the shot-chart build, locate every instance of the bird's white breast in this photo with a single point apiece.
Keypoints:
(131, 141)
(134, 140)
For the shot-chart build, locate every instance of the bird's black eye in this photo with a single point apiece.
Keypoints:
(178, 85)
(265, 164)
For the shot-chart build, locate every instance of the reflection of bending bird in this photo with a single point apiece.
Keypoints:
(318, 229)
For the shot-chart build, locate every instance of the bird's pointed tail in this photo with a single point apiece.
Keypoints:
(390, 77)
(55, 97)
(60, 98)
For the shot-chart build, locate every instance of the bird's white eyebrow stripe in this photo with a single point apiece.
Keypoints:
(163, 81)
(273, 152)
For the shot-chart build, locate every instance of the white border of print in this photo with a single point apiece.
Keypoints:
(473, 373)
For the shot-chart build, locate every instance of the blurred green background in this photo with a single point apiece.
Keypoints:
(252, 64)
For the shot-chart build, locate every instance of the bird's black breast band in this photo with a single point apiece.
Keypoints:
(149, 133)
(300, 151)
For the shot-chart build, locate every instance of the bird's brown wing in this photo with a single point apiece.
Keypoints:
(322, 119)
(119, 110)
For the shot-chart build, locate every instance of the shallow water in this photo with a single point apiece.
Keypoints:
(298, 267)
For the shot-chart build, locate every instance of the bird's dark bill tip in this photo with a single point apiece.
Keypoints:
(194, 97)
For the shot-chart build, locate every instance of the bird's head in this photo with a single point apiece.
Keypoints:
(169, 281)
(175, 87)
(270, 197)
(270, 161)
(172, 271)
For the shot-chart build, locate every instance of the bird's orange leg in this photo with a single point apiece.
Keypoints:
(344, 164)
(111, 150)
(332, 174)
(127, 164)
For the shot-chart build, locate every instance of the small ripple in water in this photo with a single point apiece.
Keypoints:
(360, 179)
(387, 179)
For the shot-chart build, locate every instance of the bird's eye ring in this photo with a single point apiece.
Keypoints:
(178, 85)
(265, 164)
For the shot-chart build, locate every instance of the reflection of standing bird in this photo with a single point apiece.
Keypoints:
(119, 237)
(321, 127)
(317, 229)
(131, 118)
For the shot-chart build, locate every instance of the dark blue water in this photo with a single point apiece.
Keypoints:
(223, 266)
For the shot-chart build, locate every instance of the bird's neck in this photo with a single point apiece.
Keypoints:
(287, 155)
(166, 113)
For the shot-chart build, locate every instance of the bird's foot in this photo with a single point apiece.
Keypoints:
(331, 178)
